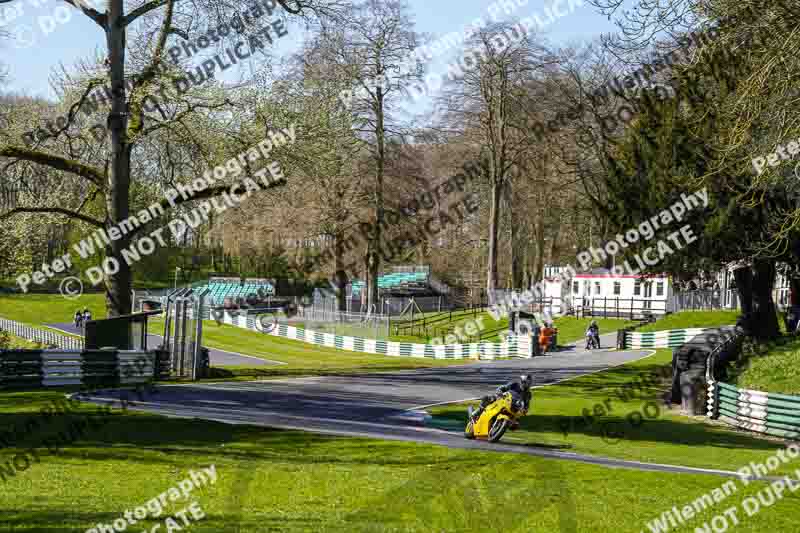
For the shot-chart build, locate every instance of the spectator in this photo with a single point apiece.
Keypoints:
(546, 336)
(78, 319)
(87, 315)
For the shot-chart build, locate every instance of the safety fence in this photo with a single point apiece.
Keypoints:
(671, 338)
(44, 336)
(777, 415)
(513, 346)
(51, 368)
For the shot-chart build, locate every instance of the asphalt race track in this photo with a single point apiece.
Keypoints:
(216, 357)
(382, 405)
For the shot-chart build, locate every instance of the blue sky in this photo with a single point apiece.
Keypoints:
(35, 55)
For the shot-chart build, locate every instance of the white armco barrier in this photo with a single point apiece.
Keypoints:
(513, 346)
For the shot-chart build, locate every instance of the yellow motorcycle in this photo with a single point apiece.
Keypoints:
(500, 415)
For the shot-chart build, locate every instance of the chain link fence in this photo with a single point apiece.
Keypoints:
(329, 320)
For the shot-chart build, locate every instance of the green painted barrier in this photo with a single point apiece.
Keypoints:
(777, 415)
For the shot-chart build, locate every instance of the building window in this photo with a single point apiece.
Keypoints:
(637, 289)
(576, 287)
(617, 288)
(648, 289)
(597, 287)
(660, 288)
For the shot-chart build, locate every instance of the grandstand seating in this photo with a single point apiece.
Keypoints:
(396, 280)
(219, 290)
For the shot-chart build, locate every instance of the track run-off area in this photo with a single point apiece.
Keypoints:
(386, 405)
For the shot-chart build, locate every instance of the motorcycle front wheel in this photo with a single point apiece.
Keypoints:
(470, 431)
(498, 429)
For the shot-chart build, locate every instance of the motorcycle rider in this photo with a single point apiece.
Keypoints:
(521, 387)
(593, 333)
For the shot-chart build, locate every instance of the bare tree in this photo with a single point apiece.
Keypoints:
(137, 42)
(484, 103)
(376, 46)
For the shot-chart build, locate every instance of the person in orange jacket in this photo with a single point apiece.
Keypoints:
(546, 336)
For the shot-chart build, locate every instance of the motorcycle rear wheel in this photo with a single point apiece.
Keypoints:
(498, 429)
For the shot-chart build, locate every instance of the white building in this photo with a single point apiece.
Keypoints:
(729, 297)
(600, 292)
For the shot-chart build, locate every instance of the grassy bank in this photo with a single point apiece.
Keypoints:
(619, 413)
(693, 319)
(570, 329)
(773, 367)
(271, 480)
(301, 358)
(12, 342)
(40, 309)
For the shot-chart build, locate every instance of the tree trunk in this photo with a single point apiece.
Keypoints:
(744, 288)
(375, 259)
(118, 284)
(538, 270)
(517, 254)
(765, 318)
(794, 295)
(367, 294)
(340, 277)
(494, 218)
(526, 270)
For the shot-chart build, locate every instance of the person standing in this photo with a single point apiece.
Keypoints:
(546, 337)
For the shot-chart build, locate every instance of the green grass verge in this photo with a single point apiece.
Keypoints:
(570, 329)
(12, 342)
(611, 427)
(771, 368)
(693, 319)
(301, 358)
(40, 309)
(271, 480)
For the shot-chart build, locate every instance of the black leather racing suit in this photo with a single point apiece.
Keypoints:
(516, 389)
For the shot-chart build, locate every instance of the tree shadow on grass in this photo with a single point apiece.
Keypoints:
(132, 438)
(614, 429)
(57, 520)
(232, 372)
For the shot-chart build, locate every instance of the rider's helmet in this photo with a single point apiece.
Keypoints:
(526, 380)
(593, 323)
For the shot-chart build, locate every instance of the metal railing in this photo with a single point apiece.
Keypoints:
(44, 336)
(616, 307)
(699, 300)
(711, 361)
(430, 324)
